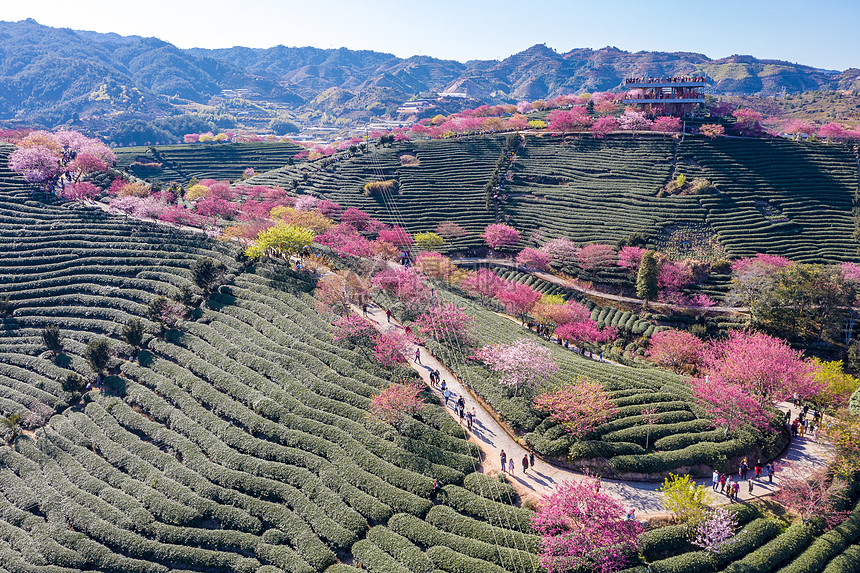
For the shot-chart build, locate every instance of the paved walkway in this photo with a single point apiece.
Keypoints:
(542, 479)
(727, 310)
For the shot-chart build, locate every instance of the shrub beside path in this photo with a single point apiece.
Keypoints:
(541, 479)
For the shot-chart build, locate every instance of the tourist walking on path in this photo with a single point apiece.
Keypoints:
(511, 466)
(750, 483)
(532, 458)
(447, 394)
(418, 355)
(504, 459)
(736, 488)
(758, 470)
(469, 419)
(770, 471)
(388, 315)
(525, 463)
(744, 468)
(715, 479)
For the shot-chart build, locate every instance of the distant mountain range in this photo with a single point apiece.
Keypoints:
(51, 76)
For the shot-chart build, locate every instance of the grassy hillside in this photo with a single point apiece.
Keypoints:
(238, 442)
(217, 161)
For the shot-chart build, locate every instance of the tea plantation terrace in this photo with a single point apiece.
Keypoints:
(239, 442)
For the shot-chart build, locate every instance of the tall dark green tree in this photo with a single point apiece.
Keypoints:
(132, 333)
(207, 273)
(98, 354)
(646, 279)
(53, 339)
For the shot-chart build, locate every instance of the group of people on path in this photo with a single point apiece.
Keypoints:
(726, 484)
(528, 460)
(467, 418)
(801, 426)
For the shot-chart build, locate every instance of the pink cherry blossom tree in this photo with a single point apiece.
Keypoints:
(80, 191)
(563, 251)
(447, 323)
(715, 532)
(667, 124)
(603, 126)
(450, 230)
(397, 237)
(764, 366)
(390, 348)
(630, 257)
(585, 331)
(407, 285)
(584, 530)
(484, 283)
(518, 299)
(596, 255)
(634, 121)
(352, 328)
(397, 403)
(578, 405)
(675, 349)
(559, 314)
(355, 218)
(499, 236)
(811, 494)
(522, 363)
(729, 405)
(833, 132)
(533, 258)
(35, 164)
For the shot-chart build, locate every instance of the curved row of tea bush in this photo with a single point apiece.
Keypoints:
(239, 441)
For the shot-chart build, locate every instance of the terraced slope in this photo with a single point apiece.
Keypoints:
(680, 441)
(239, 442)
(217, 160)
(775, 196)
(762, 545)
(446, 185)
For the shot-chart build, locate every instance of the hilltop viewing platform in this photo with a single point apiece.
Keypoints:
(677, 95)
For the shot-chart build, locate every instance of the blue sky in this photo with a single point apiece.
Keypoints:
(823, 33)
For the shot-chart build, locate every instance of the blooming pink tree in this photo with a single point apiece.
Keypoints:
(672, 277)
(352, 328)
(675, 349)
(447, 323)
(596, 255)
(522, 363)
(559, 314)
(210, 207)
(396, 236)
(500, 236)
(715, 531)
(833, 132)
(650, 416)
(585, 331)
(80, 191)
(518, 299)
(604, 125)
(799, 127)
(397, 403)
(748, 121)
(406, 284)
(667, 124)
(484, 283)
(584, 530)
(729, 405)
(345, 241)
(579, 405)
(563, 251)
(630, 257)
(328, 208)
(450, 230)
(766, 367)
(712, 130)
(634, 121)
(355, 218)
(533, 258)
(390, 348)
(35, 164)
(811, 494)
